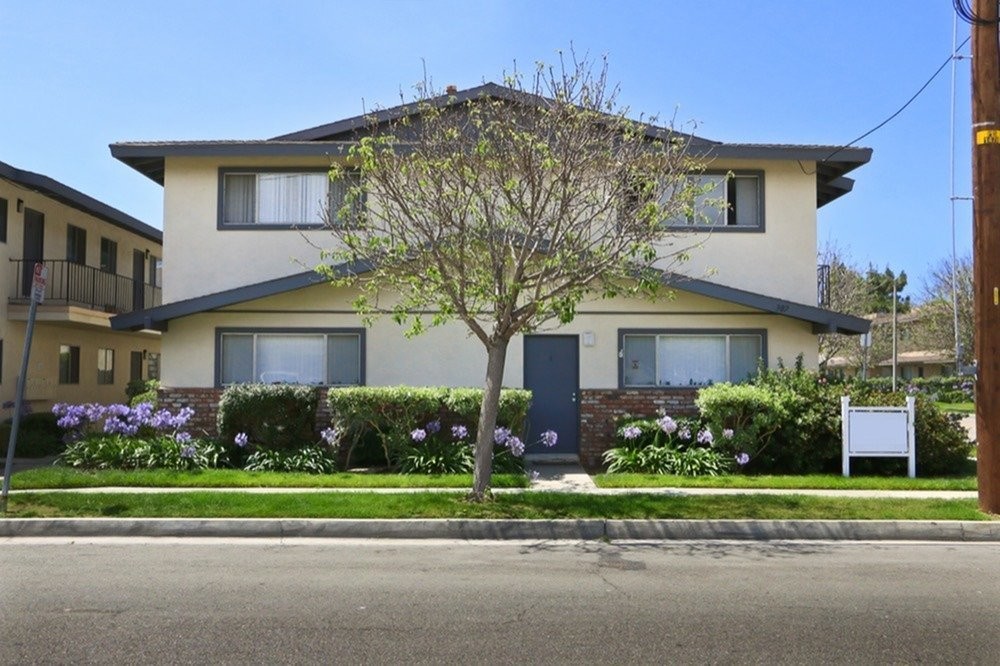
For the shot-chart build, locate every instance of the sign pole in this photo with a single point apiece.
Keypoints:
(37, 296)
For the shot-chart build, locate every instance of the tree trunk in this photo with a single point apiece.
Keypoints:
(496, 359)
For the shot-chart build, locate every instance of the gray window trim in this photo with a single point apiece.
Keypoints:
(224, 171)
(360, 332)
(622, 332)
(735, 229)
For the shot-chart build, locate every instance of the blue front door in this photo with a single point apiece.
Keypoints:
(552, 374)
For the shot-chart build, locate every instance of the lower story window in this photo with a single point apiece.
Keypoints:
(689, 359)
(331, 358)
(105, 366)
(69, 364)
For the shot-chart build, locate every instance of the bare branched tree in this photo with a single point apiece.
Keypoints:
(506, 210)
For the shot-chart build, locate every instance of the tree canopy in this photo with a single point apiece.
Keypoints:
(505, 210)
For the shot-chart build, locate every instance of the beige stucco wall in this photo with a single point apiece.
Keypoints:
(779, 262)
(202, 259)
(43, 387)
(449, 355)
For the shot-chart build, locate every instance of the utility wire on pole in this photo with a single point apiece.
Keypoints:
(986, 240)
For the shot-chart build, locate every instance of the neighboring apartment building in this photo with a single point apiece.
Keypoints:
(101, 262)
(238, 305)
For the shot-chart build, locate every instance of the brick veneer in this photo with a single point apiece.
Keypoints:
(599, 408)
(205, 403)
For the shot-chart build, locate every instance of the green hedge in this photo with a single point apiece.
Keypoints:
(280, 417)
(382, 417)
(38, 436)
(788, 422)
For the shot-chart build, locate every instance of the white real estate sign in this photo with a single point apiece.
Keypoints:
(879, 432)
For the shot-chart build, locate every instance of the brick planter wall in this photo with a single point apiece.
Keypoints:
(205, 403)
(599, 408)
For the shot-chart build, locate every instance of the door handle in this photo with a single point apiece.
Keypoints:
(572, 397)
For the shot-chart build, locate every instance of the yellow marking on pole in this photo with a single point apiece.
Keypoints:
(987, 136)
(996, 296)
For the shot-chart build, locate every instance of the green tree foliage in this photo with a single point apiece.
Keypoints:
(937, 329)
(506, 211)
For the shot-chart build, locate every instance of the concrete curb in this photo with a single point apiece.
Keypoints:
(591, 529)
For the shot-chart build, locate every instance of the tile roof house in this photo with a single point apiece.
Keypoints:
(239, 306)
(101, 262)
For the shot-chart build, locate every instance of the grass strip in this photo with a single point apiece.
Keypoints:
(957, 407)
(67, 477)
(447, 505)
(814, 481)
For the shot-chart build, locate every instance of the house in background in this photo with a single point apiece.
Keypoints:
(101, 262)
(241, 219)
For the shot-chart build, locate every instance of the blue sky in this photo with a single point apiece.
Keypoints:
(77, 76)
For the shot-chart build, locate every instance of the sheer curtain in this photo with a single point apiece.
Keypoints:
(239, 199)
(296, 359)
(691, 360)
(291, 198)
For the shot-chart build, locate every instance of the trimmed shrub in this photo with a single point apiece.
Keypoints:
(279, 417)
(38, 435)
(788, 422)
(142, 390)
(387, 417)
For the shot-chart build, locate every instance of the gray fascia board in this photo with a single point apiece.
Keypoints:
(821, 319)
(67, 195)
(148, 157)
(160, 315)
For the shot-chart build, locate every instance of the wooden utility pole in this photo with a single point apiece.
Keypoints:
(986, 246)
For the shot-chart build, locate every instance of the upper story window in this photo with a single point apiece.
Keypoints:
(109, 255)
(155, 271)
(76, 244)
(728, 201)
(689, 358)
(277, 198)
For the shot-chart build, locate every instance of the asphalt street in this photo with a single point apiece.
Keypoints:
(385, 601)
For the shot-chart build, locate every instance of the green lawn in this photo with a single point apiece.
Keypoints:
(66, 477)
(816, 481)
(448, 505)
(957, 407)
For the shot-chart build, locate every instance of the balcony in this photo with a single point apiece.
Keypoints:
(76, 285)
(823, 285)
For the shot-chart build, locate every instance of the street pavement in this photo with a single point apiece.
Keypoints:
(302, 601)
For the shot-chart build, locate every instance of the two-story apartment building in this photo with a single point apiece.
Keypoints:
(101, 262)
(242, 223)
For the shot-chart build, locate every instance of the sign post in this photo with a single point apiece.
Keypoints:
(37, 296)
(879, 432)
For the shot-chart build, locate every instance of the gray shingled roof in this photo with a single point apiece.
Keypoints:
(833, 162)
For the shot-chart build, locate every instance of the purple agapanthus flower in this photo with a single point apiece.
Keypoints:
(705, 437)
(241, 439)
(667, 425)
(684, 433)
(500, 436)
(331, 436)
(742, 458)
(188, 451)
(515, 445)
(433, 427)
(727, 433)
(631, 432)
(418, 435)
(549, 438)
(459, 432)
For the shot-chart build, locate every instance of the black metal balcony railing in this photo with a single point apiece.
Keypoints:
(823, 285)
(85, 286)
